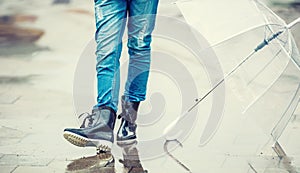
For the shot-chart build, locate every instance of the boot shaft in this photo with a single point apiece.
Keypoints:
(103, 116)
(129, 110)
(127, 129)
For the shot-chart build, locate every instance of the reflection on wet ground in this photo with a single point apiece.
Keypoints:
(11, 19)
(131, 160)
(25, 50)
(61, 1)
(16, 39)
(15, 79)
(102, 162)
(105, 162)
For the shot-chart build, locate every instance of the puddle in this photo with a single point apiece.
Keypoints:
(15, 39)
(24, 50)
(11, 34)
(11, 19)
(61, 1)
(103, 162)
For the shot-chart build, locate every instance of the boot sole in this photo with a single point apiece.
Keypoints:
(80, 141)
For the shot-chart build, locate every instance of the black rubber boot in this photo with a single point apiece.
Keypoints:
(127, 129)
(98, 133)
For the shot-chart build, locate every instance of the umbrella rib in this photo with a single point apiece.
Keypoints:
(222, 80)
(260, 71)
(264, 43)
(276, 55)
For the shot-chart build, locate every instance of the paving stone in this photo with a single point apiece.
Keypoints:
(34, 169)
(10, 136)
(7, 169)
(24, 160)
(9, 141)
(21, 149)
(59, 165)
(6, 98)
(236, 163)
(10, 132)
(275, 170)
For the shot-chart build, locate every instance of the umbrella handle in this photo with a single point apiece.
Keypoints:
(293, 23)
(174, 158)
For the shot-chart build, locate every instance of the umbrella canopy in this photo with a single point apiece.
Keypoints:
(260, 65)
(257, 41)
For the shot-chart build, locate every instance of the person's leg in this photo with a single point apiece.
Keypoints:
(110, 23)
(141, 21)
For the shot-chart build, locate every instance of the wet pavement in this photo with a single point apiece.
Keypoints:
(36, 104)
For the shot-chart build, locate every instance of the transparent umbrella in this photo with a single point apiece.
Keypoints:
(261, 67)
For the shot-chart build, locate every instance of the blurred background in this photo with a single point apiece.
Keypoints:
(40, 44)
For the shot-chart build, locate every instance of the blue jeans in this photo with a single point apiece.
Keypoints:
(111, 17)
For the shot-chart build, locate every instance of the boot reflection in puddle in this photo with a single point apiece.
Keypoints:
(131, 160)
(100, 163)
